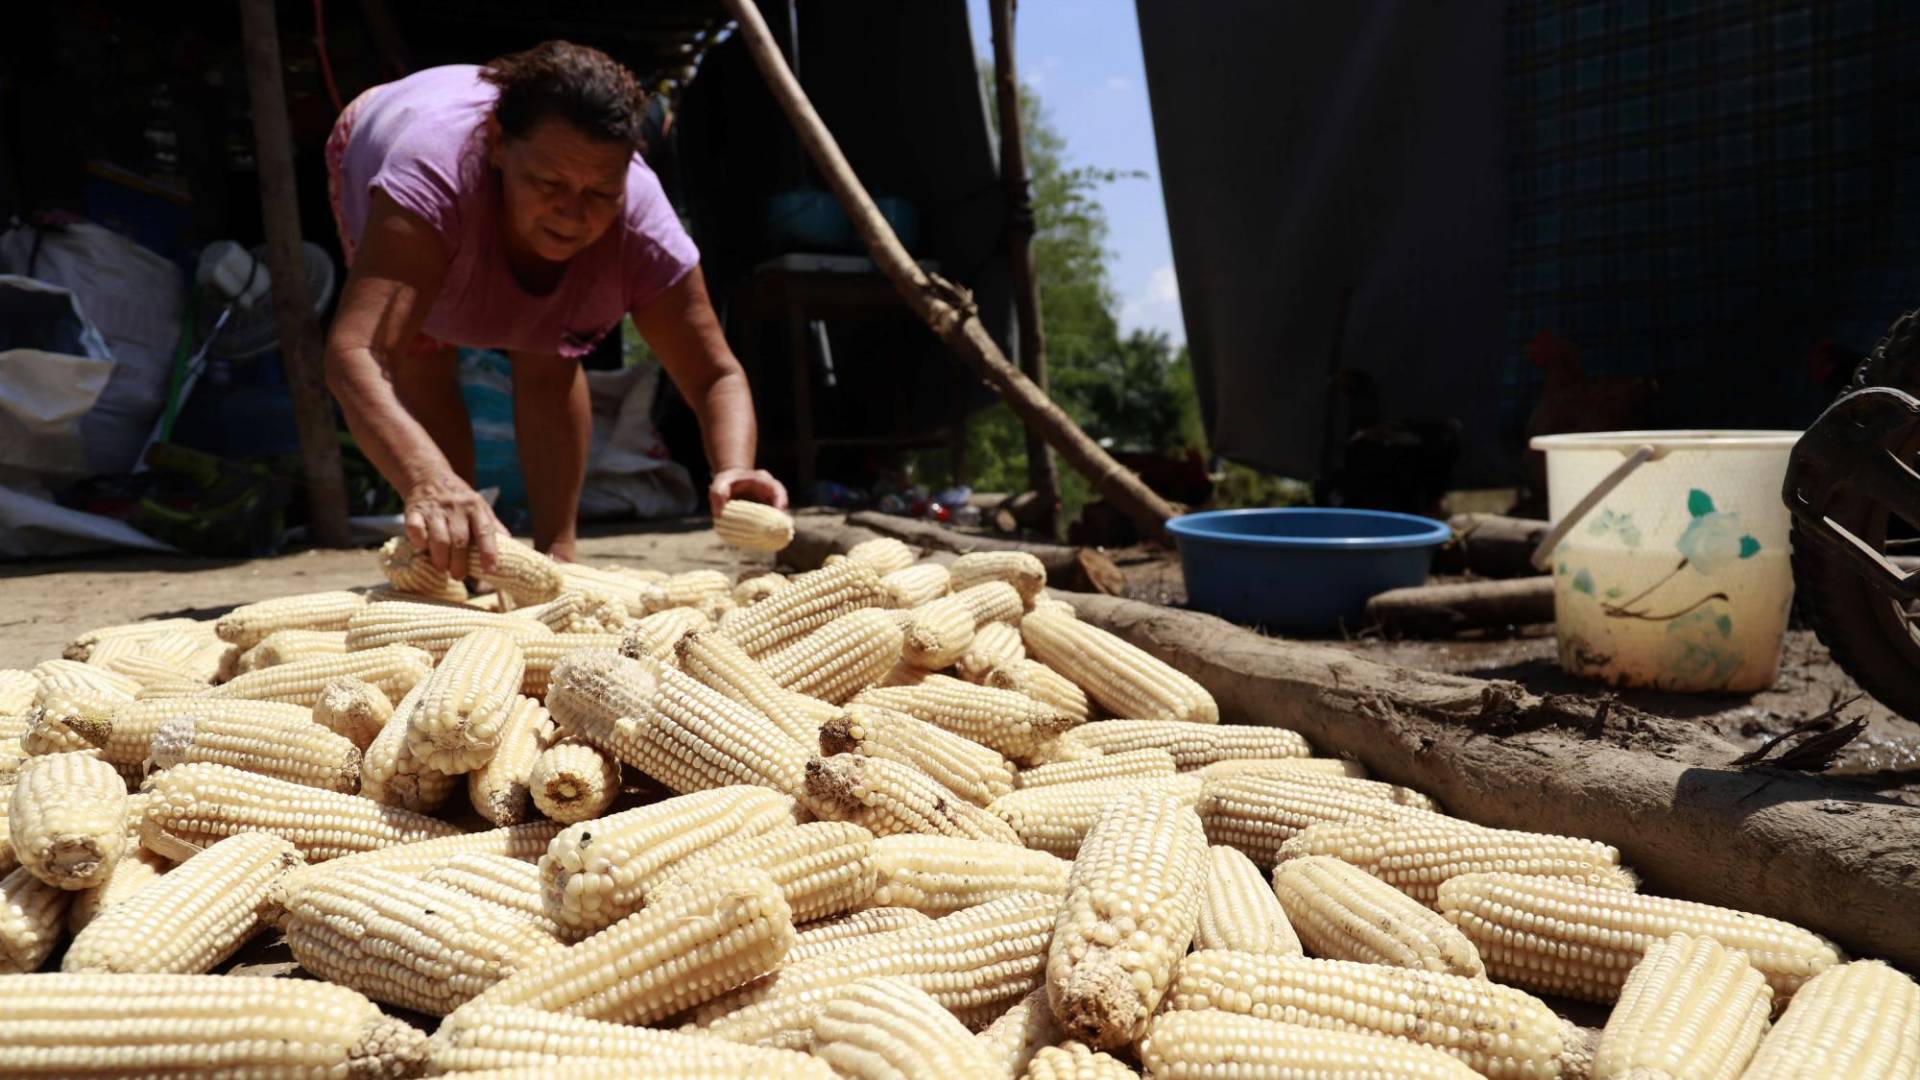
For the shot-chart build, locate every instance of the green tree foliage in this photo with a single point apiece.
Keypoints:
(1129, 392)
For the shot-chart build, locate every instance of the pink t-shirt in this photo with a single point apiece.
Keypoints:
(419, 140)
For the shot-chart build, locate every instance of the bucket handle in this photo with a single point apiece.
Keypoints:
(1543, 553)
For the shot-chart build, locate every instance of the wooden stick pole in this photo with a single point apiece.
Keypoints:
(1042, 477)
(300, 345)
(946, 308)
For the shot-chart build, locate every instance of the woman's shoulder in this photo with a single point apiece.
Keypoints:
(656, 248)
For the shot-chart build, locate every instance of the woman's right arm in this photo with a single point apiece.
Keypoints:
(395, 277)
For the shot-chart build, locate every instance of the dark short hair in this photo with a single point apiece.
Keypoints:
(581, 85)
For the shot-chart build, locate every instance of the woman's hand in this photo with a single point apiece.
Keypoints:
(446, 518)
(756, 485)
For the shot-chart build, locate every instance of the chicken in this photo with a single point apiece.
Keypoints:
(1573, 401)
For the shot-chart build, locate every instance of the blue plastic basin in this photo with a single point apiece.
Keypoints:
(1301, 569)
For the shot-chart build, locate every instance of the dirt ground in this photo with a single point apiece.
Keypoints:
(45, 603)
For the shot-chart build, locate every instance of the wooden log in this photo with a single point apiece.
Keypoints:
(1041, 475)
(1440, 610)
(816, 536)
(946, 308)
(300, 343)
(1833, 858)
(1491, 546)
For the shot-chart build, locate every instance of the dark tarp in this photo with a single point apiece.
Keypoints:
(1315, 152)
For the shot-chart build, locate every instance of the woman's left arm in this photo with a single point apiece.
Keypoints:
(679, 325)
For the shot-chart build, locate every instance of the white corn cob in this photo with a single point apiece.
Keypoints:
(249, 624)
(572, 781)
(1144, 764)
(640, 593)
(69, 720)
(823, 868)
(1192, 746)
(1016, 1036)
(1416, 853)
(974, 772)
(543, 653)
(937, 633)
(521, 575)
(71, 675)
(883, 555)
(501, 880)
(992, 602)
(77, 1026)
(458, 719)
(132, 727)
(1341, 912)
(190, 919)
(994, 644)
(1202, 1044)
(1858, 1020)
(1240, 911)
(1558, 936)
(31, 913)
(535, 1044)
(714, 659)
(407, 942)
(888, 798)
(1056, 819)
(285, 646)
(696, 588)
(433, 628)
(886, 1029)
(810, 601)
(976, 962)
(17, 691)
(301, 751)
(1499, 1032)
(415, 857)
(81, 648)
(1077, 1061)
(68, 818)
(1289, 766)
(413, 572)
(1017, 568)
(915, 585)
(195, 805)
(395, 669)
(840, 659)
(1691, 1009)
(1133, 901)
(1041, 683)
(692, 945)
(1122, 677)
(943, 874)
(393, 775)
(134, 870)
(822, 937)
(1011, 723)
(757, 588)
(597, 872)
(659, 634)
(354, 708)
(753, 526)
(499, 790)
(1257, 814)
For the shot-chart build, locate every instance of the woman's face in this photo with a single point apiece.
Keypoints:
(561, 188)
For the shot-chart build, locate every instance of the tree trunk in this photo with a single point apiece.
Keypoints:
(1042, 477)
(300, 343)
(946, 308)
(1439, 610)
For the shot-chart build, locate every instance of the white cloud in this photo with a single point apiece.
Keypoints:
(1156, 305)
(1119, 84)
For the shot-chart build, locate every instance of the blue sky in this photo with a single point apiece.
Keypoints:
(1082, 57)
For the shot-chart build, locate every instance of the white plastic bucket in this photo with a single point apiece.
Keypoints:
(1678, 577)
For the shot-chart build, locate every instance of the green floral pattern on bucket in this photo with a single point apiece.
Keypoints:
(1713, 539)
(1702, 652)
(1617, 525)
